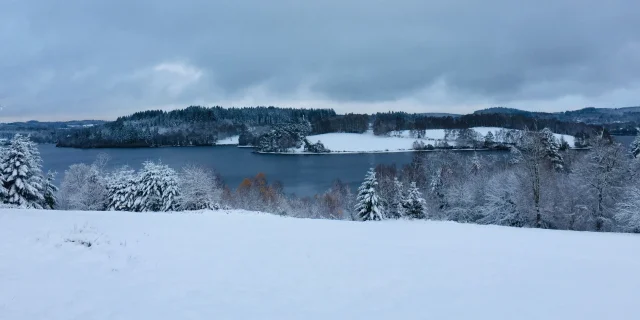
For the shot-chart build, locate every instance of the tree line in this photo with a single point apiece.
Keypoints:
(202, 126)
(537, 184)
(393, 121)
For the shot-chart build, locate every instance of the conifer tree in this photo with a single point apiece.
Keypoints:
(121, 190)
(396, 209)
(414, 204)
(368, 206)
(552, 148)
(489, 140)
(50, 199)
(21, 168)
(157, 188)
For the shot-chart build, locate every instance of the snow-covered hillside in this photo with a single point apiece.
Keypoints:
(397, 141)
(242, 265)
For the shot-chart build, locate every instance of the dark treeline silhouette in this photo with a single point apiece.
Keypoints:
(201, 126)
(387, 122)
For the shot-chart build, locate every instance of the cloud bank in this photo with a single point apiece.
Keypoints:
(100, 59)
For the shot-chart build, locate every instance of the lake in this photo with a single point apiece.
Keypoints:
(303, 175)
(300, 174)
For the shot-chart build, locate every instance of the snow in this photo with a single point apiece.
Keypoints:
(233, 140)
(396, 141)
(243, 265)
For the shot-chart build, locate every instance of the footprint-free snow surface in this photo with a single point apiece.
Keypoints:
(242, 265)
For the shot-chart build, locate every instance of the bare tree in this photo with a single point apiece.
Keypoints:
(601, 177)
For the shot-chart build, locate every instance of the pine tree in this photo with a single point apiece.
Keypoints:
(635, 147)
(414, 204)
(489, 140)
(552, 149)
(21, 168)
(50, 199)
(396, 209)
(121, 190)
(4, 193)
(157, 188)
(368, 205)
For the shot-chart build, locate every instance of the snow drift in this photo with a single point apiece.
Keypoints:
(243, 265)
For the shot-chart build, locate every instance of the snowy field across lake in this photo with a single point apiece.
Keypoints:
(400, 141)
(243, 265)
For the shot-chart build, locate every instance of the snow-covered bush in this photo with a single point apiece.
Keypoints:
(199, 189)
(317, 147)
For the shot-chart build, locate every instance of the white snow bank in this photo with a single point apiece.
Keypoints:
(233, 140)
(397, 141)
(241, 265)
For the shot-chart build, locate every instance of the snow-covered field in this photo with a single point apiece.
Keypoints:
(242, 265)
(396, 141)
(233, 140)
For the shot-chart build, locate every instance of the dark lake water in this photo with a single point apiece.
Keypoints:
(300, 174)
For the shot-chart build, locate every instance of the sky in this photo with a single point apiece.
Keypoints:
(99, 59)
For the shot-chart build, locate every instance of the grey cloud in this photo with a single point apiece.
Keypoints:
(96, 58)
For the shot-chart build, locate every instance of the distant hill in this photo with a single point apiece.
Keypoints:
(43, 132)
(621, 121)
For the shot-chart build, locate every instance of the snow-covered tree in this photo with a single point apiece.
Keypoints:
(4, 193)
(476, 164)
(396, 201)
(368, 206)
(83, 188)
(600, 176)
(552, 148)
(414, 204)
(564, 145)
(199, 189)
(628, 210)
(121, 190)
(635, 147)
(437, 189)
(157, 188)
(21, 169)
(500, 207)
(50, 190)
(531, 153)
(489, 140)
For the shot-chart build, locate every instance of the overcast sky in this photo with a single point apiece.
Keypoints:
(76, 59)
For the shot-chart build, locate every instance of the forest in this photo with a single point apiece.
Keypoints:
(538, 184)
(201, 126)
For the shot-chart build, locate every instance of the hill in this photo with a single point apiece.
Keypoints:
(244, 265)
(622, 121)
(44, 132)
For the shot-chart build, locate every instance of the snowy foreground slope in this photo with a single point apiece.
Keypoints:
(241, 265)
(396, 141)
